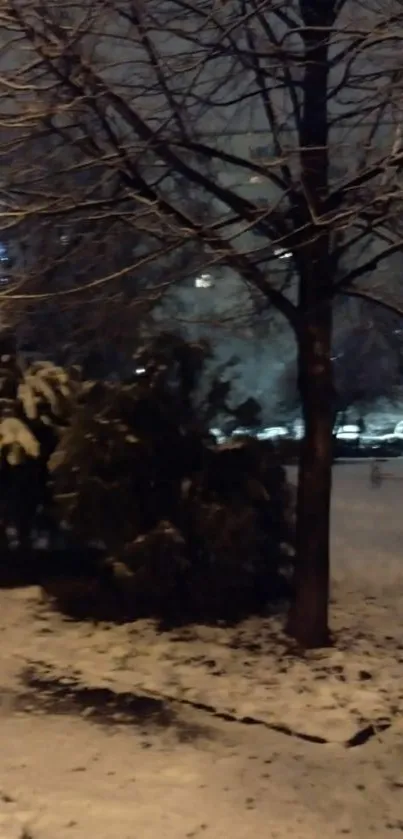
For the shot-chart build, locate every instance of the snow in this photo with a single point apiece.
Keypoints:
(73, 774)
(367, 527)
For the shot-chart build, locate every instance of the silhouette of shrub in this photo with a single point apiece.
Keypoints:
(192, 529)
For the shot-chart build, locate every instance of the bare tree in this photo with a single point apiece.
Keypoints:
(92, 248)
(367, 357)
(283, 120)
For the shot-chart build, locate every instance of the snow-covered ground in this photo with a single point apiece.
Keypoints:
(367, 526)
(325, 752)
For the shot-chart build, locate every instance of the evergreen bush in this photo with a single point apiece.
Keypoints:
(192, 530)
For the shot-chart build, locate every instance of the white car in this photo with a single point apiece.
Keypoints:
(272, 433)
(348, 432)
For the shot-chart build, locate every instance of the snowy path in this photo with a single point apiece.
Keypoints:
(66, 778)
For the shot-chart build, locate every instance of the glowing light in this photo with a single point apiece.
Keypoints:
(204, 281)
(348, 432)
(282, 253)
(272, 433)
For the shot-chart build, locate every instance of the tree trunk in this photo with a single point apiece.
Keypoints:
(316, 264)
(308, 618)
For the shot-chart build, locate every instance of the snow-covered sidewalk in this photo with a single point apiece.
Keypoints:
(64, 777)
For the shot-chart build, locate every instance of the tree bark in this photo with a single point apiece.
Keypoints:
(308, 619)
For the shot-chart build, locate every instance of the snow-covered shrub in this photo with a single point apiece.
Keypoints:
(17, 442)
(190, 527)
(46, 392)
(35, 404)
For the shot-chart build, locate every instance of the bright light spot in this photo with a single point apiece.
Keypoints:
(272, 433)
(140, 370)
(242, 432)
(282, 253)
(204, 281)
(219, 436)
(348, 432)
(299, 429)
(398, 432)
